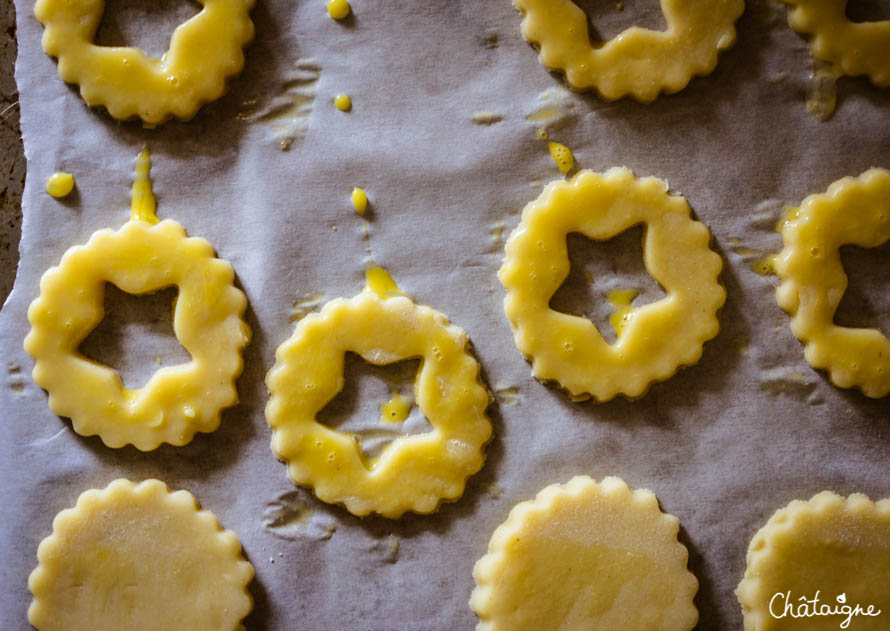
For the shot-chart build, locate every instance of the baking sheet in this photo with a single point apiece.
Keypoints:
(723, 444)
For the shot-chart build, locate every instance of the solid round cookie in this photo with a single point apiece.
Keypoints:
(854, 48)
(586, 556)
(414, 473)
(138, 557)
(658, 337)
(853, 211)
(815, 562)
(638, 62)
(204, 52)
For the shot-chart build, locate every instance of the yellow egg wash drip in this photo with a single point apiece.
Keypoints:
(287, 115)
(359, 200)
(508, 395)
(60, 184)
(623, 314)
(497, 237)
(144, 204)
(342, 102)
(757, 260)
(562, 155)
(789, 216)
(486, 117)
(378, 281)
(305, 305)
(764, 266)
(396, 409)
(822, 91)
(746, 252)
(338, 9)
(545, 115)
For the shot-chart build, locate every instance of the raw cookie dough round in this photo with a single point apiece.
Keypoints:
(855, 48)
(178, 400)
(853, 211)
(659, 337)
(586, 557)
(639, 62)
(204, 52)
(144, 256)
(414, 473)
(138, 557)
(837, 547)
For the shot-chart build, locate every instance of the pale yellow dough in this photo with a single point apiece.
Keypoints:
(657, 338)
(836, 546)
(853, 211)
(415, 472)
(638, 62)
(586, 556)
(140, 558)
(204, 52)
(142, 257)
(853, 48)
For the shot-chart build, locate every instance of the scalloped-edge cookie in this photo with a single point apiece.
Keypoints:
(854, 48)
(204, 52)
(659, 337)
(586, 556)
(853, 211)
(414, 473)
(141, 257)
(139, 557)
(638, 62)
(814, 563)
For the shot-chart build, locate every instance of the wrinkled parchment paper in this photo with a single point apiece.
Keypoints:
(723, 444)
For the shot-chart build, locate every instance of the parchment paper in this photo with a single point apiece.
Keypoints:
(723, 444)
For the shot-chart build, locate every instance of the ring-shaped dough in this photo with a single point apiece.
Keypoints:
(855, 48)
(638, 62)
(178, 400)
(853, 211)
(204, 52)
(661, 336)
(414, 472)
(586, 556)
(836, 546)
(138, 557)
